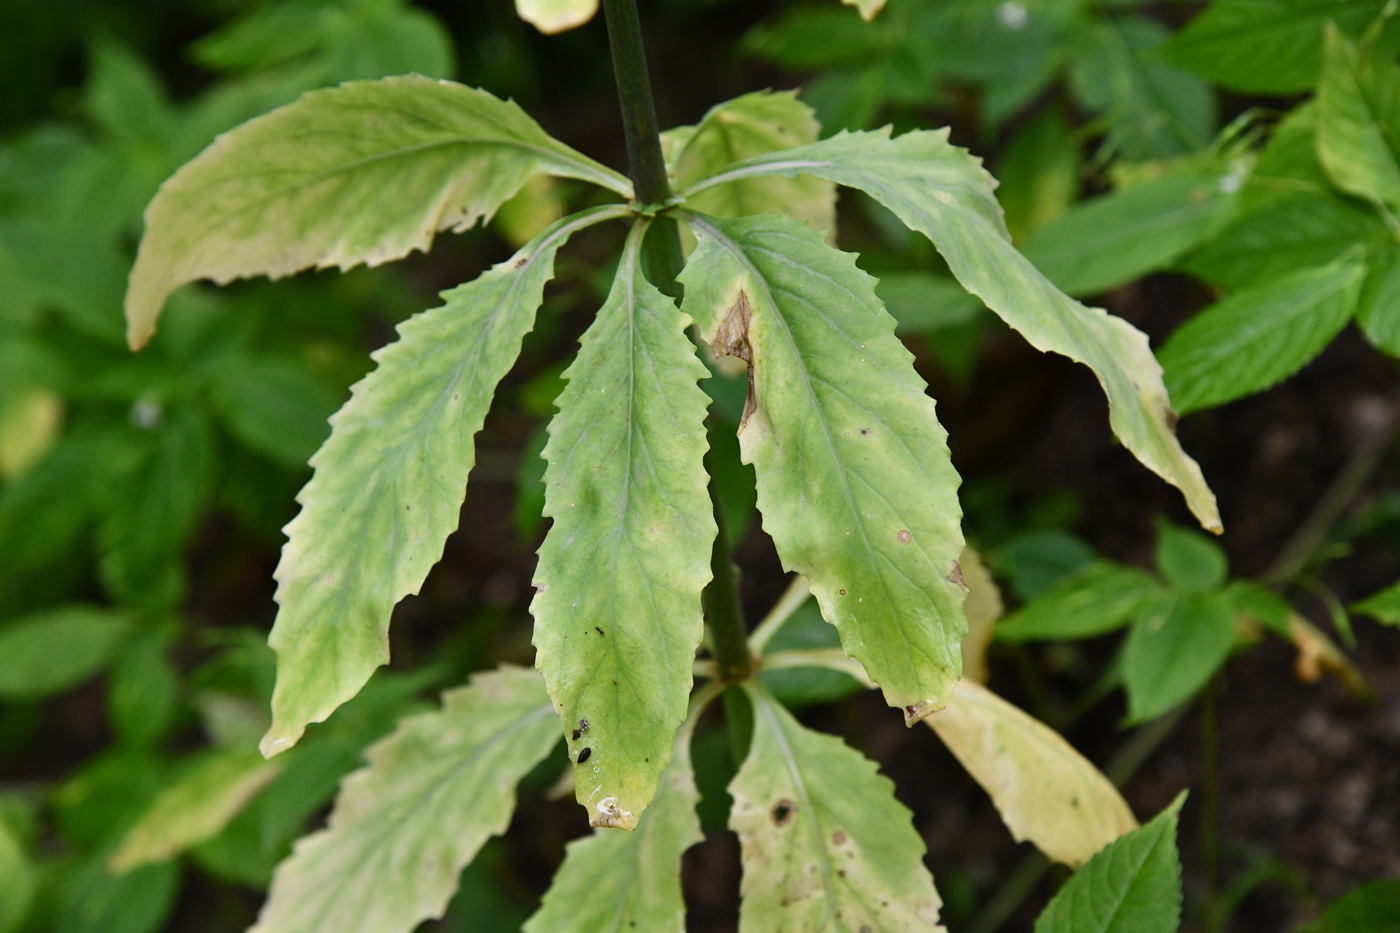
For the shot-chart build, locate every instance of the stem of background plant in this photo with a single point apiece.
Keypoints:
(662, 261)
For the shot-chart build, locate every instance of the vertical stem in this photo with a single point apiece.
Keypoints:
(662, 259)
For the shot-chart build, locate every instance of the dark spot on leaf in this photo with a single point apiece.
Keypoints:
(864, 431)
(841, 872)
(904, 537)
(843, 592)
(956, 576)
(583, 725)
(576, 734)
(598, 630)
(838, 838)
(583, 755)
(522, 262)
(782, 812)
(909, 710)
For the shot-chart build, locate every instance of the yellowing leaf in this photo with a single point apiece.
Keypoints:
(825, 844)
(553, 16)
(943, 192)
(196, 807)
(405, 826)
(1044, 790)
(617, 613)
(983, 606)
(867, 8)
(361, 173)
(389, 483)
(29, 426)
(854, 478)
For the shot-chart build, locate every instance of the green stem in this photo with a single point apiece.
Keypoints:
(662, 261)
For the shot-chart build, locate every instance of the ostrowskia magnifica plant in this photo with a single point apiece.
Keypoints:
(854, 483)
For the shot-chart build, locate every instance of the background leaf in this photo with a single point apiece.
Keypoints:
(50, 651)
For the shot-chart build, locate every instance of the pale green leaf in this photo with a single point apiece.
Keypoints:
(1265, 46)
(867, 8)
(943, 192)
(1378, 313)
(362, 173)
(53, 650)
(1110, 240)
(1260, 336)
(1094, 601)
(554, 16)
(1358, 120)
(1044, 790)
(195, 807)
(617, 613)
(18, 881)
(1173, 649)
(1132, 886)
(1383, 606)
(751, 125)
(404, 827)
(983, 607)
(390, 481)
(622, 881)
(826, 846)
(854, 478)
(1189, 560)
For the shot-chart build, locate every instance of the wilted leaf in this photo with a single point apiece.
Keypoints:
(825, 843)
(854, 478)
(361, 173)
(617, 615)
(405, 826)
(389, 483)
(1044, 790)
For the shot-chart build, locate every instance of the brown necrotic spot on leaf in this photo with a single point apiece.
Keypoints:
(732, 339)
(782, 812)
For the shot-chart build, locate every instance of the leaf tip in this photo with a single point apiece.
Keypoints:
(920, 711)
(278, 739)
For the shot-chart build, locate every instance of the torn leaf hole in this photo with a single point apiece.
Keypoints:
(732, 339)
(782, 812)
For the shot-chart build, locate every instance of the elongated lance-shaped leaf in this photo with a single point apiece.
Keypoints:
(405, 826)
(854, 479)
(826, 846)
(390, 480)
(1044, 790)
(617, 613)
(361, 173)
(632, 881)
(943, 192)
(1358, 120)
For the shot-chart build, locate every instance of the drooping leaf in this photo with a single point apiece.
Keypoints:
(554, 16)
(617, 613)
(943, 193)
(1110, 240)
(1132, 886)
(621, 881)
(1044, 790)
(389, 483)
(404, 826)
(1173, 649)
(1372, 907)
(1358, 120)
(361, 173)
(51, 651)
(1265, 46)
(1189, 561)
(1094, 601)
(826, 846)
(854, 478)
(195, 806)
(1260, 336)
(750, 125)
(1383, 606)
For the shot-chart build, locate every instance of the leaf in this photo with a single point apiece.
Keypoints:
(1358, 121)
(1265, 46)
(924, 303)
(1094, 601)
(274, 406)
(1039, 172)
(943, 193)
(1373, 907)
(555, 16)
(983, 607)
(629, 881)
(1034, 561)
(1173, 649)
(1383, 606)
(30, 424)
(825, 844)
(1260, 336)
(854, 479)
(617, 612)
(362, 173)
(143, 693)
(1189, 561)
(1378, 310)
(51, 651)
(140, 901)
(390, 481)
(867, 8)
(1114, 239)
(807, 685)
(1132, 886)
(404, 827)
(1297, 231)
(195, 807)
(1044, 790)
(751, 125)
(18, 882)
